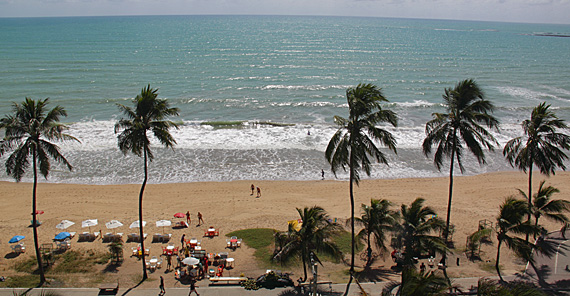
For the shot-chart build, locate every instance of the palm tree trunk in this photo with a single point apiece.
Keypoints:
(529, 193)
(497, 261)
(303, 257)
(448, 218)
(353, 249)
(368, 251)
(34, 220)
(141, 215)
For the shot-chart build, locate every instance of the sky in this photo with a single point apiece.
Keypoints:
(525, 11)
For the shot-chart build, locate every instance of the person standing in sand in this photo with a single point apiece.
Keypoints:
(182, 240)
(200, 220)
(162, 291)
(258, 192)
(252, 189)
(188, 218)
(193, 288)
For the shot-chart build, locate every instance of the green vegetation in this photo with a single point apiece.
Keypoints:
(541, 146)
(343, 241)
(25, 265)
(313, 238)
(79, 262)
(260, 239)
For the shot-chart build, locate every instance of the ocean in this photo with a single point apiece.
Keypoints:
(283, 78)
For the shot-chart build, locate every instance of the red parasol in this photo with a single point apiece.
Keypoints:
(179, 215)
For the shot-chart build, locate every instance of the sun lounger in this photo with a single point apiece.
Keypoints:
(227, 280)
(166, 237)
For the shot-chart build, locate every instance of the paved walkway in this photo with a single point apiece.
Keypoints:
(555, 267)
(373, 289)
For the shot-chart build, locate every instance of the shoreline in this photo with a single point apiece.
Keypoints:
(229, 206)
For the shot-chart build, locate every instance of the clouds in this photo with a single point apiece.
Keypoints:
(543, 11)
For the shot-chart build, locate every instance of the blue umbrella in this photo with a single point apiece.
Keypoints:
(16, 239)
(62, 235)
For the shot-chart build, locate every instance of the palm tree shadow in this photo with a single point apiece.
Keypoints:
(131, 288)
(369, 274)
(112, 268)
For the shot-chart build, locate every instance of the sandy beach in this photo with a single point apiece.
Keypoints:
(229, 206)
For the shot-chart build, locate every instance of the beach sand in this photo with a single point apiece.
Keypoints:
(228, 206)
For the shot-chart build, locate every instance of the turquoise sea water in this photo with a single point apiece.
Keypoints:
(292, 70)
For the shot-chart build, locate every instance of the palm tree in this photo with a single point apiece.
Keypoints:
(467, 114)
(415, 229)
(487, 287)
(314, 236)
(541, 146)
(28, 132)
(149, 114)
(551, 209)
(377, 219)
(355, 141)
(416, 283)
(510, 224)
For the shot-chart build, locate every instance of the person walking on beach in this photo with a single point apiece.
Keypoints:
(162, 291)
(200, 220)
(323, 174)
(182, 240)
(188, 218)
(258, 192)
(168, 262)
(252, 189)
(193, 288)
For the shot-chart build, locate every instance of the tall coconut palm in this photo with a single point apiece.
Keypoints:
(541, 146)
(314, 236)
(355, 140)
(377, 219)
(463, 125)
(551, 209)
(28, 132)
(511, 224)
(148, 115)
(416, 231)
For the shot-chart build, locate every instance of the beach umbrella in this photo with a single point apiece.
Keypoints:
(163, 223)
(137, 224)
(113, 224)
(64, 224)
(62, 235)
(190, 261)
(16, 239)
(89, 223)
(179, 215)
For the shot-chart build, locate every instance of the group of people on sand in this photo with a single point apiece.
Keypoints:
(258, 190)
(200, 219)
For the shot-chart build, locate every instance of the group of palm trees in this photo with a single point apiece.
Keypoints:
(464, 125)
(31, 127)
